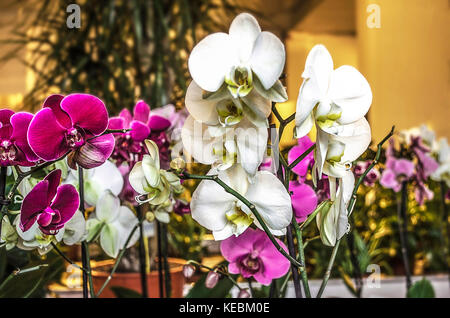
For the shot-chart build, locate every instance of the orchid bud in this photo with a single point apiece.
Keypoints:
(243, 293)
(150, 216)
(177, 164)
(188, 270)
(211, 279)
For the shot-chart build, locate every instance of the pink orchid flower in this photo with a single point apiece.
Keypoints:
(14, 147)
(301, 169)
(49, 204)
(253, 254)
(142, 123)
(397, 170)
(304, 200)
(73, 124)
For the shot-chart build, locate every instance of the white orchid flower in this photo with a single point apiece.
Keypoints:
(442, 173)
(223, 214)
(337, 147)
(239, 61)
(332, 221)
(111, 224)
(106, 177)
(75, 229)
(147, 179)
(223, 147)
(227, 110)
(35, 239)
(330, 97)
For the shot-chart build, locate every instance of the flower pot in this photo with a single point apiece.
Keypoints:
(101, 270)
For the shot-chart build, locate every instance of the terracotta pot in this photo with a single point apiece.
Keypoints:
(100, 271)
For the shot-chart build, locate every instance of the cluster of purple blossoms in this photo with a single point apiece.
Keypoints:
(401, 167)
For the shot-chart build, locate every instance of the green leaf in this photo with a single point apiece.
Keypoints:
(122, 292)
(421, 289)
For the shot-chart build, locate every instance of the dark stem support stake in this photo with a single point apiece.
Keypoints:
(355, 263)
(4, 203)
(142, 256)
(165, 250)
(402, 228)
(295, 275)
(160, 261)
(84, 246)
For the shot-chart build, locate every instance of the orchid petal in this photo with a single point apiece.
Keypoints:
(20, 123)
(244, 31)
(271, 200)
(107, 208)
(210, 60)
(351, 92)
(139, 131)
(46, 136)
(86, 111)
(267, 60)
(54, 103)
(141, 111)
(109, 240)
(95, 151)
(202, 110)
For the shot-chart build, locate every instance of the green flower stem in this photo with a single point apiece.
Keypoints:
(160, 260)
(142, 255)
(119, 258)
(312, 216)
(310, 239)
(301, 254)
(350, 209)
(301, 157)
(252, 208)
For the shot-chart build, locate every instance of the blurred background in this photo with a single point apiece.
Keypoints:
(136, 49)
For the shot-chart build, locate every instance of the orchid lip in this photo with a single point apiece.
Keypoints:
(8, 152)
(74, 138)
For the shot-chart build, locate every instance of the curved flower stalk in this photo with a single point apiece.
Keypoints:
(73, 124)
(14, 147)
(328, 97)
(151, 182)
(111, 224)
(223, 147)
(239, 61)
(130, 145)
(252, 254)
(223, 214)
(106, 177)
(49, 205)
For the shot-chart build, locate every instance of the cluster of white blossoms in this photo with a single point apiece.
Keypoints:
(235, 80)
(335, 101)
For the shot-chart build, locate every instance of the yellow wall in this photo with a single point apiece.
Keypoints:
(407, 63)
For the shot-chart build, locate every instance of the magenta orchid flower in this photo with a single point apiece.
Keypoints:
(303, 198)
(142, 125)
(301, 169)
(14, 147)
(49, 204)
(73, 124)
(253, 254)
(397, 170)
